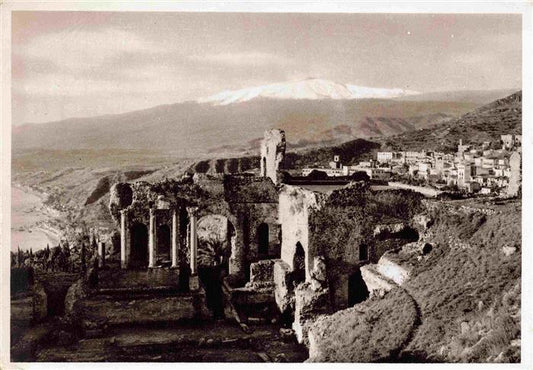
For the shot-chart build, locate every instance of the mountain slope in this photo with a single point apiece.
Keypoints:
(189, 130)
(487, 123)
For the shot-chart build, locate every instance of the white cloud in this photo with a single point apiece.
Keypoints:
(81, 49)
(243, 59)
(60, 84)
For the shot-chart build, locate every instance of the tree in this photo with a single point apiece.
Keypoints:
(318, 175)
(94, 244)
(19, 257)
(360, 176)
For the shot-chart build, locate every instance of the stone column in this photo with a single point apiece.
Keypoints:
(151, 240)
(124, 253)
(174, 241)
(101, 254)
(237, 261)
(194, 283)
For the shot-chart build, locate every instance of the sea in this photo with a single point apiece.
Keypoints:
(26, 213)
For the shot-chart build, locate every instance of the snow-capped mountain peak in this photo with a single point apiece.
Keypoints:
(311, 88)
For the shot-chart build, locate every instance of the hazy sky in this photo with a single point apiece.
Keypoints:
(67, 64)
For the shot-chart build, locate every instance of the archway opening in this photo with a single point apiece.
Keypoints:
(263, 240)
(216, 235)
(299, 264)
(139, 246)
(363, 252)
(357, 289)
(163, 244)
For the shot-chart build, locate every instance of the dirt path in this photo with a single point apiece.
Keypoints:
(405, 354)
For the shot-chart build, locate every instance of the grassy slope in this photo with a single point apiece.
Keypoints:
(372, 331)
(467, 267)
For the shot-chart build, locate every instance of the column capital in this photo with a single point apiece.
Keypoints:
(124, 211)
(192, 211)
(152, 211)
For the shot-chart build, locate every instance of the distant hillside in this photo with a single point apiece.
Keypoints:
(193, 130)
(487, 123)
(350, 152)
(474, 96)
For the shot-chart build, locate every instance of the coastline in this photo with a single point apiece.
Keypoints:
(31, 225)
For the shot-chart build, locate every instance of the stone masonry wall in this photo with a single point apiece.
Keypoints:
(294, 206)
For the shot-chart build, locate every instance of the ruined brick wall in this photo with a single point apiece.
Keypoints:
(246, 202)
(254, 202)
(346, 222)
(295, 205)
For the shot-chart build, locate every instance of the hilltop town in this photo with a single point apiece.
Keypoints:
(487, 168)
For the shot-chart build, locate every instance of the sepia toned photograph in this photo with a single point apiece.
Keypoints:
(279, 187)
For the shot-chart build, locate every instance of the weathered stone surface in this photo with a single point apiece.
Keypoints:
(390, 269)
(319, 272)
(295, 205)
(283, 286)
(420, 247)
(77, 291)
(252, 295)
(385, 230)
(272, 153)
(262, 274)
(309, 303)
(374, 280)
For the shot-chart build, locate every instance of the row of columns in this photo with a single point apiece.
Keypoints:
(192, 240)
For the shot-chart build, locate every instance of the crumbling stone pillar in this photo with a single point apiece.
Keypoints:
(272, 153)
(237, 260)
(124, 239)
(194, 283)
(174, 242)
(151, 240)
(101, 254)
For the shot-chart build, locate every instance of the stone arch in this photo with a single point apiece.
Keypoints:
(139, 246)
(163, 241)
(298, 264)
(357, 289)
(216, 236)
(263, 240)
